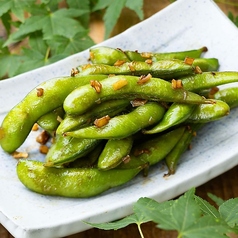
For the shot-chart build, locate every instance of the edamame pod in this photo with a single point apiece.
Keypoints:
(67, 149)
(109, 55)
(71, 182)
(181, 55)
(111, 108)
(165, 69)
(89, 160)
(207, 80)
(172, 158)
(228, 95)
(130, 87)
(176, 114)
(124, 125)
(154, 149)
(44, 98)
(206, 64)
(207, 113)
(51, 120)
(114, 152)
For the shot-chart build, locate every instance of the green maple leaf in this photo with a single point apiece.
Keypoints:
(148, 207)
(206, 227)
(186, 216)
(172, 215)
(83, 5)
(113, 11)
(9, 62)
(17, 7)
(136, 218)
(216, 199)
(136, 6)
(131, 219)
(207, 208)
(31, 59)
(229, 212)
(9, 65)
(37, 43)
(233, 18)
(6, 19)
(35, 56)
(60, 22)
(189, 215)
(68, 46)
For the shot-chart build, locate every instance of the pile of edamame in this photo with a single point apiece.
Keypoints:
(116, 116)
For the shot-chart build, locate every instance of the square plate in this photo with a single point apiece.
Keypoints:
(182, 25)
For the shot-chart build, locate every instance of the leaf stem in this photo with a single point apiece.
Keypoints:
(140, 231)
(47, 54)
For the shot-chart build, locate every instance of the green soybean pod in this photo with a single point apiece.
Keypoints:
(111, 108)
(51, 120)
(173, 157)
(207, 113)
(124, 125)
(194, 53)
(207, 80)
(206, 64)
(154, 149)
(166, 69)
(114, 152)
(42, 99)
(107, 55)
(181, 55)
(176, 114)
(130, 87)
(71, 182)
(67, 149)
(228, 95)
(89, 160)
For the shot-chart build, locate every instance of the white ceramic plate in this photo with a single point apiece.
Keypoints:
(181, 26)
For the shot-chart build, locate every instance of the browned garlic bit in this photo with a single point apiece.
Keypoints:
(188, 60)
(126, 159)
(149, 61)
(100, 122)
(91, 55)
(131, 66)
(198, 70)
(74, 72)
(43, 137)
(138, 102)
(35, 127)
(141, 151)
(213, 91)
(43, 149)
(40, 92)
(59, 119)
(20, 155)
(119, 84)
(119, 62)
(146, 55)
(194, 133)
(86, 66)
(96, 85)
(176, 83)
(144, 79)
